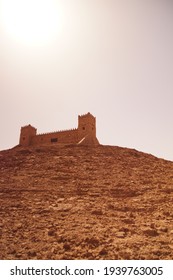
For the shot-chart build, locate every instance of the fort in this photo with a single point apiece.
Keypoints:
(85, 134)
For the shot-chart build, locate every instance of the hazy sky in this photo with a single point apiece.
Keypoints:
(113, 58)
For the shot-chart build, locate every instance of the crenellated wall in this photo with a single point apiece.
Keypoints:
(84, 134)
(66, 136)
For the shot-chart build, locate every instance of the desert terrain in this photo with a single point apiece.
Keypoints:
(85, 202)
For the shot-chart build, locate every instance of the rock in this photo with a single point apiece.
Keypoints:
(18, 225)
(92, 241)
(128, 221)
(163, 229)
(97, 212)
(67, 246)
(13, 252)
(51, 232)
(103, 252)
(32, 254)
(151, 232)
(120, 234)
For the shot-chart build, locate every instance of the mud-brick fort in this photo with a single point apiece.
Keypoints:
(84, 134)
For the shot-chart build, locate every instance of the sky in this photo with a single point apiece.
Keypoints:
(112, 58)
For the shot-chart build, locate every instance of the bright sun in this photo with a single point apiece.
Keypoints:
(32, 22)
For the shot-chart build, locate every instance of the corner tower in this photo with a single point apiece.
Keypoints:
(26, 134)
(87, 128)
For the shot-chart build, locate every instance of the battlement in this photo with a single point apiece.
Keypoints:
(87, 115)
(86, 130)
(64, 130)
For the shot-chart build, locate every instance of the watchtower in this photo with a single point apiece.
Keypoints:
(86, 125)
(26, 134)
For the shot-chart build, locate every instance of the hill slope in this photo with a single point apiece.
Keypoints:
(79, 202)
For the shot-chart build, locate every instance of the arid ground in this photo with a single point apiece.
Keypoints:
(79, 202)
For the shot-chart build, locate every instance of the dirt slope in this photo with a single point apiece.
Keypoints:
(79, 202)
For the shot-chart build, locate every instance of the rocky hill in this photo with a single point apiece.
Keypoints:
(81, 202)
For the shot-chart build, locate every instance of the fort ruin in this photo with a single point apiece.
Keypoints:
(84, 134)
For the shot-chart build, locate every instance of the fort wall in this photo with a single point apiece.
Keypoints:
(66, 137)
(85, 134)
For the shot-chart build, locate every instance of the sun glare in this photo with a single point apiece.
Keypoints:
(32, 22)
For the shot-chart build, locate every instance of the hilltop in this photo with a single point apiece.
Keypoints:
(85, 202)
